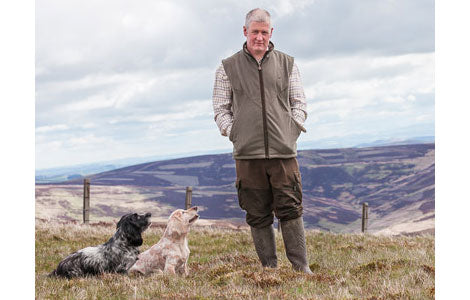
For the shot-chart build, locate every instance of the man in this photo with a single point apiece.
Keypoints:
(260, 105)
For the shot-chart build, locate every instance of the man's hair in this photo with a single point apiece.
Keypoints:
(258, 15)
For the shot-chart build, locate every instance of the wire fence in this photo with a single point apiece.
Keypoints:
(85, 193)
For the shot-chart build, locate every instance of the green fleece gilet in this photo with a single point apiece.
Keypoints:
(263, 125)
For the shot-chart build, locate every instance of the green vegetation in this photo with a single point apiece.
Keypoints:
(224, 265)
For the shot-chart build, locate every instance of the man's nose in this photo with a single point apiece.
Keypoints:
(259, 36)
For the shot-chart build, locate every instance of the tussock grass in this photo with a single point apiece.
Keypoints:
(224, 265)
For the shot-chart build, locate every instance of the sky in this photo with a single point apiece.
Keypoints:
(119, 79)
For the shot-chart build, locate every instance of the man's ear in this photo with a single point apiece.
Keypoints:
(245, 31)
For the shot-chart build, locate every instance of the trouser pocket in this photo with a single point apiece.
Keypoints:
(298, 185)
(288, 200)
(258, 204)
(239, 194)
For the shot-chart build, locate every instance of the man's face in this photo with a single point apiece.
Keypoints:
(257, 37)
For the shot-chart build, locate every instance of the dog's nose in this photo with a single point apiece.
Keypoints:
(148, 215)
(194, 208)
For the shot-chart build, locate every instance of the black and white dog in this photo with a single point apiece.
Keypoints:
(115, 256)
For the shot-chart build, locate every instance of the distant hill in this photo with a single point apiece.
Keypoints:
(64, 173)
(396, 181)
(394, 142)
(74, 172)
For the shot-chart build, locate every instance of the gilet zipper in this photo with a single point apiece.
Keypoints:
(263, 108)
(263, 103)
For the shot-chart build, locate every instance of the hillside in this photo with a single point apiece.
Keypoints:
(396, 181)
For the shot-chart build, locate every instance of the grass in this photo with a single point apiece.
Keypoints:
(224, 265)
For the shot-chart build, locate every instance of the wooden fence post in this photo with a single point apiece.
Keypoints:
(365, 216)
(86, 201)
(189, 191)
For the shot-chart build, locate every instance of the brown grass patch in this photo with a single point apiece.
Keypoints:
(263, 279)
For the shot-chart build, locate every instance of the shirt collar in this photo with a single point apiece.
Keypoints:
(270, 49)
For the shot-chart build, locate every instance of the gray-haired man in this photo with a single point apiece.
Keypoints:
(259, 103)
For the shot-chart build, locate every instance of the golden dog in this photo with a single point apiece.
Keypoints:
(170, 255)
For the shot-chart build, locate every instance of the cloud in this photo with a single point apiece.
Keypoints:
(44, 129)
(120, 78)
(349, 27)
(77, 37)
(362, 94)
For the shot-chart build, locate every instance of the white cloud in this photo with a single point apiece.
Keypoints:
(362, 94)
(394, 99)
(118, 78)
(44, 129)
(88, 141)
(288, 7)
(186, 111)
(89, 104)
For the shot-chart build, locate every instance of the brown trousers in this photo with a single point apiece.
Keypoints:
(267, 185)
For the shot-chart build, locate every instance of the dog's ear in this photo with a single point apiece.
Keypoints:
(176, 225)
(123, 218)
(135, 240)
(131, 230)
(177, 215)
(134, 236)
